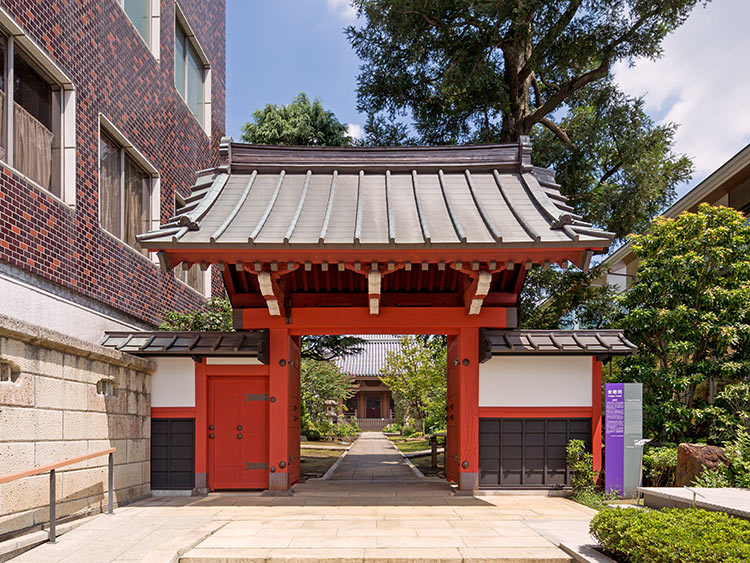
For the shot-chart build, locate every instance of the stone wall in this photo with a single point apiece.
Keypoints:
(62, 398)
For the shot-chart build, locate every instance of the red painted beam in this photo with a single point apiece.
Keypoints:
(392, 320)
(596, 415)
(468, 405)
(172, 412)
(201, 425)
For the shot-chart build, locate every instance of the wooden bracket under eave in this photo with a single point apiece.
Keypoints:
(272, 293)
(476, 291)
(374, 282)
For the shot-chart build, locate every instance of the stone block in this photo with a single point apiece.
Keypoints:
(95, 402)
(84, 483)
(48, 392)
(29, 424)
(25, 494)
(100, 445)
(16, 457)
(86, 425)
(128, 475)
(693, 459)
(137, 450)
(18, 393)
(32, 358)
(53, 452)
(77, 368)
(124, 426)
(17, 521)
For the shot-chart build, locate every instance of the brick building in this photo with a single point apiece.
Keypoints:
(107, 109)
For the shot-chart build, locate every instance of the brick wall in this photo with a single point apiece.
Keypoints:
(115, 74)
(52, 410)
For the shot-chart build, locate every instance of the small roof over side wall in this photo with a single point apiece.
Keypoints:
(553, 342)
(270, 197)
(188, 344)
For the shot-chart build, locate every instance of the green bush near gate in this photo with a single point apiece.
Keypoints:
(672, 535)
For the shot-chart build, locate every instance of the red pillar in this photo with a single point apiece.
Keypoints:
(596, 414)
(201, 425)
(278, 415)
(468, 405)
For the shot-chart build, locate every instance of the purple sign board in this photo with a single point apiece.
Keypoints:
(623, 427)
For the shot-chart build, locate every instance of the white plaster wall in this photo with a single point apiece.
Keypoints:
(173, 383)
(535, 381)
(233, 362)
(37, 306)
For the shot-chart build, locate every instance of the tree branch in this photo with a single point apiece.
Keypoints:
(557, 130)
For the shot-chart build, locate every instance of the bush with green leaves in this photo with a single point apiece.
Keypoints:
(660, 466)
(672, 535)
(583, 477)
(392, 428)
(737, 474)
(215, 314)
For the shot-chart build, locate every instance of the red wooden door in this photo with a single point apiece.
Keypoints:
(373, 407)
(452, 445)
(238, 422)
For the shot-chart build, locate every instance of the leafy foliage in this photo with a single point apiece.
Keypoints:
(322, 381)
(215, 315)
(416, 376)
(583, 477)
(689, 312)
(660, 466)
(672, 535)
(302, 122)
(737, 474)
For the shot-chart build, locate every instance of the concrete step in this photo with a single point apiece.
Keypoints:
(379, 555)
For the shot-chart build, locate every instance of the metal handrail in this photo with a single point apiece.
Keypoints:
(53, 481)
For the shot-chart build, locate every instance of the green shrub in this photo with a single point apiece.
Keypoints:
(408, 431)
(392, 428)
(312, 434)
(345, 429)
(738, 452)
(660, 466)
(583, 477)
(672, 535)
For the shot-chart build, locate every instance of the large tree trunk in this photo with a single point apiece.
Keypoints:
(515, 57)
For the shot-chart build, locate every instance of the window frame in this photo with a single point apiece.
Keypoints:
(154, 29)
(205, 115)
(64, 117)
(126, 148)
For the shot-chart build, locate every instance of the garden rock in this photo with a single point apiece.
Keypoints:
(693, 459)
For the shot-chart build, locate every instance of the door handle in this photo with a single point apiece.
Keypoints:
(239, 436)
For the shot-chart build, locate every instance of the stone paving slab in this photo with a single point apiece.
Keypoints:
(733, 501)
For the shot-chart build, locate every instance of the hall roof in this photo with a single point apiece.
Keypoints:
(495, 342)
(272, 197)
(368, 362)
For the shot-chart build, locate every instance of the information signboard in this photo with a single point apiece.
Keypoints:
(623, 427)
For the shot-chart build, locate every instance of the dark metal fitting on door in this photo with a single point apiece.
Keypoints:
(239, 427)
(273, 470)
(465, 362)
(239, 436)
(211, 436)
(282, 464)
(282, 363)
(465, 465)
(272, 399)
(210, 426)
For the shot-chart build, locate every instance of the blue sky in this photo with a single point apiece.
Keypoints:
(277, 48)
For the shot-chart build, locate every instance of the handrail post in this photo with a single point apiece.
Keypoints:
(52, 499)
(111, 492)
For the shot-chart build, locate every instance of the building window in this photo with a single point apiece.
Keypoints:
(144, 14)
(37, 117)
(191, 71)
(194, 277)
(125, 192)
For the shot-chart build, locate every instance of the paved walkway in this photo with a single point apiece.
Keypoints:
(373, 457)
(371, 520)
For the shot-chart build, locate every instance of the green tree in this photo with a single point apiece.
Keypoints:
(416, 375)
(689, 313)
(215, 314)
(302, 122)
(328, 347)
(321, 381)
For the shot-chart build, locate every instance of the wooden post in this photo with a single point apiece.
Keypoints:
(278, 417)
(433, 446)
(468, 405)
(201, 426)
(596, 413)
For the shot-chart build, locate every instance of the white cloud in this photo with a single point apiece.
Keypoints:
(700, 83)
(355, 131)
(343, 9)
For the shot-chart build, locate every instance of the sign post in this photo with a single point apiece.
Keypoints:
(623, 418)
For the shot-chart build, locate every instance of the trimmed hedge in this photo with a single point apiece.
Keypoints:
(672, 535)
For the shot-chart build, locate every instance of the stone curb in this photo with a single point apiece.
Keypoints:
(171, 551)
(586, 553)
(414, 468)
(32, 334)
